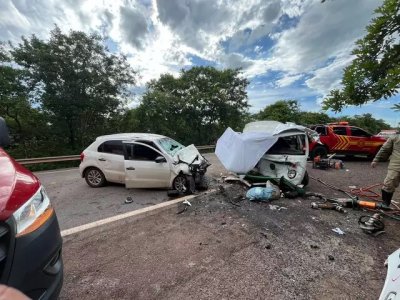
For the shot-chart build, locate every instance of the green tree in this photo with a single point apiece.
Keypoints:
(282, 111)
(196, 107)
(312, 118)
(375, 72)
(75, 80)
(367, 122)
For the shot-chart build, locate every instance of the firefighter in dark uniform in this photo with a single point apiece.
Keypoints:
(390, 149)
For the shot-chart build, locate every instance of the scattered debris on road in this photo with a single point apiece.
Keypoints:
(128, 200)
(338, 231)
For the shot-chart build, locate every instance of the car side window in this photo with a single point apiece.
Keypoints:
(359, 132)
(112, 147)
(339, 130)
(140, 152)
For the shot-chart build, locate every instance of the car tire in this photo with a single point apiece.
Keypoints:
(306, 179)
(184, 184)
(95, 178)
(204, 183)
(319, 151)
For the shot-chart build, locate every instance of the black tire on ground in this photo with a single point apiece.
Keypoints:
(319, 151)
(204, 183)
(94, 177)
(184, 184)
(306, 179)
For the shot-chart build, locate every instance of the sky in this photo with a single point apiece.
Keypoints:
(288, 49)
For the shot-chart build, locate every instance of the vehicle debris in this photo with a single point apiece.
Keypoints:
(338, 231)
(270, 148)
(267, 193)
(187, 203)
(276, 207)
(391, 288)
(128, 200)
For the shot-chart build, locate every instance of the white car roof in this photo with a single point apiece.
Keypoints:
(273, 127)
(131, 136)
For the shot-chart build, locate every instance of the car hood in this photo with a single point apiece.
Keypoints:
(188, 154)
(17, 185)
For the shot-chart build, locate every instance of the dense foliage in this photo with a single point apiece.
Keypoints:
(375, 72)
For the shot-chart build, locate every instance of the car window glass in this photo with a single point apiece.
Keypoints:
(320, 130)
(113, 147)
(288, 145)
(151, 144)
(340, 130)
(359, 132)
(141, 152)
(170, 146)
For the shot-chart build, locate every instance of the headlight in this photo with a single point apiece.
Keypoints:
(292, 174)
(34, 213)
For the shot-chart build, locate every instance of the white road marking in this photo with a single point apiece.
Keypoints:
(52, 172)
(137, 212)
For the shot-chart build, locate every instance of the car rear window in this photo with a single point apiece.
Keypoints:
(112, 147)
(293, 145)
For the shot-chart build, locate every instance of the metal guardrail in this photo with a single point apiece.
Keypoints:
(52, 159)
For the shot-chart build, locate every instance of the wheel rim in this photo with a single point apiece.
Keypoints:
(94, 177)
(180, 184)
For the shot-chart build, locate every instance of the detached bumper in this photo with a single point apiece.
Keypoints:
(34, 264)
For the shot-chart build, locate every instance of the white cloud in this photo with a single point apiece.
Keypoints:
(287, 80)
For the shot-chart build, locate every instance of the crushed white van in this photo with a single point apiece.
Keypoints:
(271, 148)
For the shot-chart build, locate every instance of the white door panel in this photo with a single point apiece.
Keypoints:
(146, 174)
(112, 166)
(141, 170)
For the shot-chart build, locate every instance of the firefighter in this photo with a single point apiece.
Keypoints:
(390, 149)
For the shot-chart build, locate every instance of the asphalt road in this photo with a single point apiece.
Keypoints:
(76, 203)
(219, 250)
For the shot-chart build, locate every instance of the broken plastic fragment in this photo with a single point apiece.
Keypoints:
(338, 231)
(187, 203)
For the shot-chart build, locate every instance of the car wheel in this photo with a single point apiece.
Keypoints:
(319, 151)
(95, 178)
(184, 184)
(306, 179)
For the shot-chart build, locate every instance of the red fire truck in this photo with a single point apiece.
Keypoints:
(341, 138)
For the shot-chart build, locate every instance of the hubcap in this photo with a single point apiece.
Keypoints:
(180, 184)
(94, 177)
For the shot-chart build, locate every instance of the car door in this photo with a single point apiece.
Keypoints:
(360, 141)
(141, 168)
(110, 159)
(340, 142)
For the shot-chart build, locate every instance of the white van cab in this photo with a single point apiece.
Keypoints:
(143, 160)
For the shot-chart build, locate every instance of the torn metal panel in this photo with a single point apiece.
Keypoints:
(391, 289)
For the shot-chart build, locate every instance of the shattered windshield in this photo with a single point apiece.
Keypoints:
(170, 146)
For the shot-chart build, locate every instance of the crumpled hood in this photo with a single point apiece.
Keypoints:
(17, 185)
(188, 154)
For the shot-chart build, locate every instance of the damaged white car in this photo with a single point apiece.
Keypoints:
(141, 160)
(269, 148)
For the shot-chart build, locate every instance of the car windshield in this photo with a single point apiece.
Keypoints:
(170, 146)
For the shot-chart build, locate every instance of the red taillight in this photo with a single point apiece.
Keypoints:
(82, 156)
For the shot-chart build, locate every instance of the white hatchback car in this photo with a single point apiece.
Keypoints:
(142, 160)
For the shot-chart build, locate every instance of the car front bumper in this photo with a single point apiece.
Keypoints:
(34, 263)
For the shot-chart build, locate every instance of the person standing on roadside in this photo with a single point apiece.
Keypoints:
(391, 149)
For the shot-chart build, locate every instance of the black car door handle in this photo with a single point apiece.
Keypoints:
(130, 168)
(102, 159)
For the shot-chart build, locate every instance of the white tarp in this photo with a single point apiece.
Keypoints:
(240, 152)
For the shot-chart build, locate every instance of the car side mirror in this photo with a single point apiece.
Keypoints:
(4, 137)
(160, 159)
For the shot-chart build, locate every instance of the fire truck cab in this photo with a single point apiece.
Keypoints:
(341, 138)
